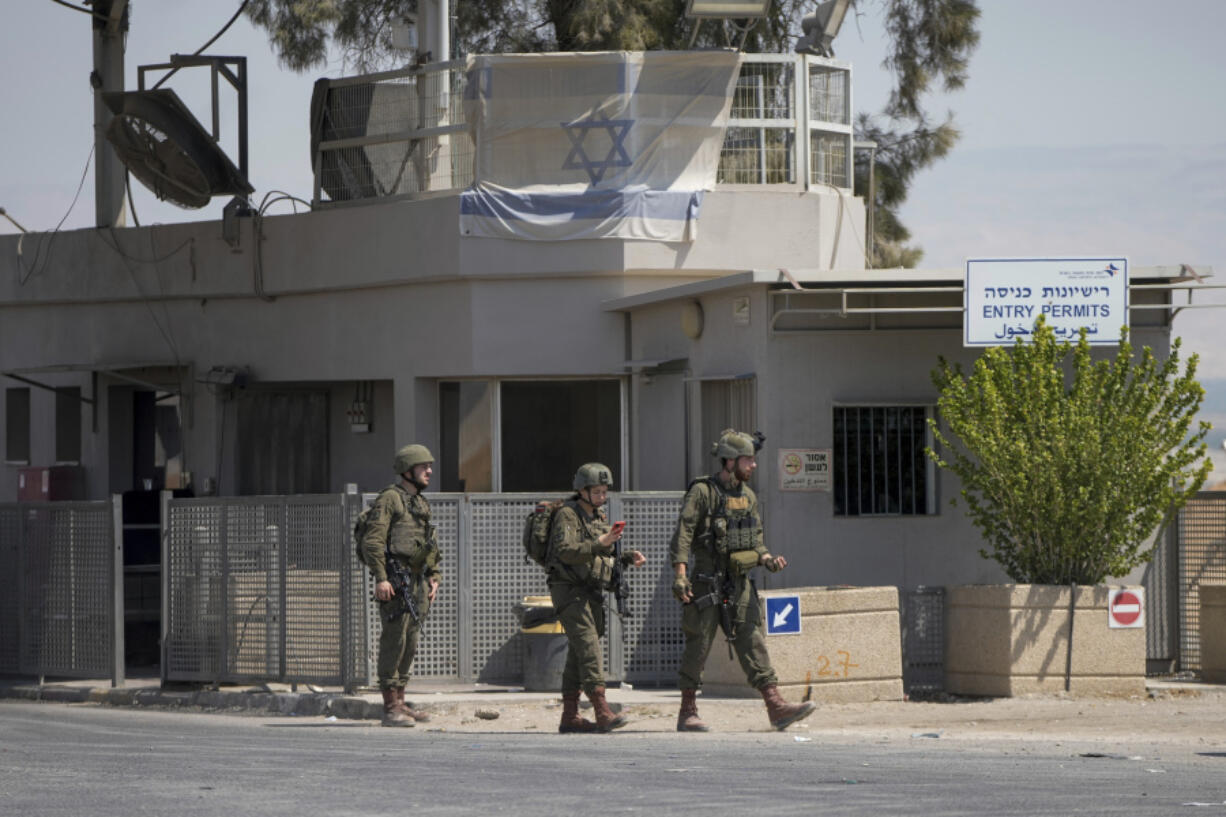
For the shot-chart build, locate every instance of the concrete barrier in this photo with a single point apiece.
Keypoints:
(849, 649)
(1012, 639)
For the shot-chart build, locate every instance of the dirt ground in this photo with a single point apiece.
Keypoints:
(1190, 718)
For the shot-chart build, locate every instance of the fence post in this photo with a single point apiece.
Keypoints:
(118, 645)
(164, 624)
(464, 590)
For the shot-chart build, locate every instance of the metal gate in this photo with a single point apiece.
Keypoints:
(262, 588)
(61, 590)
(1202, 558)
(269, 588)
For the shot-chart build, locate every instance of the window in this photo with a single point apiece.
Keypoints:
(17, 426)
(879, 464)
(723, 404)
(68, 424)
(465, 437)
(545, 430)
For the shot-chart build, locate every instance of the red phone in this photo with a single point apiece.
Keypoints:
(618, 527)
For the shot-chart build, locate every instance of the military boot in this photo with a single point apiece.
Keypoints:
(571, 720)
(415, 714)
(687, 718)
(606, 721)
(781, 713)
(394, 713)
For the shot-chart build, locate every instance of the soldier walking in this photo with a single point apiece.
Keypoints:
(580, 566)
(400, 546)
(720, 530)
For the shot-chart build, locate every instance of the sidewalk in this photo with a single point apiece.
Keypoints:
(1172, 712)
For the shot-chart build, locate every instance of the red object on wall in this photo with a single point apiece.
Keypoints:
(54, 484)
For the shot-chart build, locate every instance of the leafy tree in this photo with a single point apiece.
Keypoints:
(1068, 466)
(930, 45)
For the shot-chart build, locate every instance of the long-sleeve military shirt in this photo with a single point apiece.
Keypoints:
(400, 522)
(695, 523)
(574, 542)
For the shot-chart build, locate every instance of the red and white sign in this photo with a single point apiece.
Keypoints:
(1126, 608)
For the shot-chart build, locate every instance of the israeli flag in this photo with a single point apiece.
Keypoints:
(594, 145)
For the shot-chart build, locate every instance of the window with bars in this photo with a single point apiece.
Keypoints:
(879, 464)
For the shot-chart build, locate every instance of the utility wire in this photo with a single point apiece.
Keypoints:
(90, 12)
(224, 29)
(33, 270)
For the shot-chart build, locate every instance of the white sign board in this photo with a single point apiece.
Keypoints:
(804, 469)
(1005, 296)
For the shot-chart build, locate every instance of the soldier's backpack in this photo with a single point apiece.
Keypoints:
(536, 531)
(362, 523)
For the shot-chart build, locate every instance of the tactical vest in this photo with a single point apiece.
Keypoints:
(595, 574)
(730, 523)
(411, 537)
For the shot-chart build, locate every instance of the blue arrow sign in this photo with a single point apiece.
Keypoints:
(782, 615)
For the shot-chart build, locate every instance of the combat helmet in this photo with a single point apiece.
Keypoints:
(409, 456)
(592, 473)
(732, 444)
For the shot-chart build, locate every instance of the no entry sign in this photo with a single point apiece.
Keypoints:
(1126, 608)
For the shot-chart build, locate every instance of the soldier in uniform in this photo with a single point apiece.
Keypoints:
(399, 528)
(581, 546)
(720, 530)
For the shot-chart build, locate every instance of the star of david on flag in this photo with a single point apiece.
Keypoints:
(578, 133)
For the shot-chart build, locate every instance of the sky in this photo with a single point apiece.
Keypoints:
(1089, 128)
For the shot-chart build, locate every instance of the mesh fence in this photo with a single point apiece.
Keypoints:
(262, 588)
(923, 639)
(392, 134)
(58, 608)
(1202, 558)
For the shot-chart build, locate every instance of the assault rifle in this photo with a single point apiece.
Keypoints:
(618, 583)
(723, 587)
(402, 587)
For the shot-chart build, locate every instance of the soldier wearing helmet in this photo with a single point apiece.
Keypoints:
(581, 546)
(399, 528)
(720, 531)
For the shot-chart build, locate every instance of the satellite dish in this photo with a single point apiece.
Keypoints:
(167, 149)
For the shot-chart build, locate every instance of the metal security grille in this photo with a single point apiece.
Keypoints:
(760, 141)
(61, 586)
(394, 133)
(500, 580)
(267, 588)
(262, 588)
(653, 638)
(1202, 558)
(923, 639)
(879, 464)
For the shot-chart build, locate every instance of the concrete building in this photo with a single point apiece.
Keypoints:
(294, 353)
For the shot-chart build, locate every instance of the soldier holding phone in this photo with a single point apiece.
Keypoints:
(581, 548)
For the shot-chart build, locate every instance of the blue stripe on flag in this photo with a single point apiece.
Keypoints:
(661, 205)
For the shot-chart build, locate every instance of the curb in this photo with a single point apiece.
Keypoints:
(350, 707)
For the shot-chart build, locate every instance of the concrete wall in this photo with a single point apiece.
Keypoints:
(388, 292)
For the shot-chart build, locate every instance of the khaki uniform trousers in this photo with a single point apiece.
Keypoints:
(580, 610)
(398, 641)
(700, 627)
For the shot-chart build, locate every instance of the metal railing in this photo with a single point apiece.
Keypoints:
(403, 133)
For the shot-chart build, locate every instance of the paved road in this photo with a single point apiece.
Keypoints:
(88, 760)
